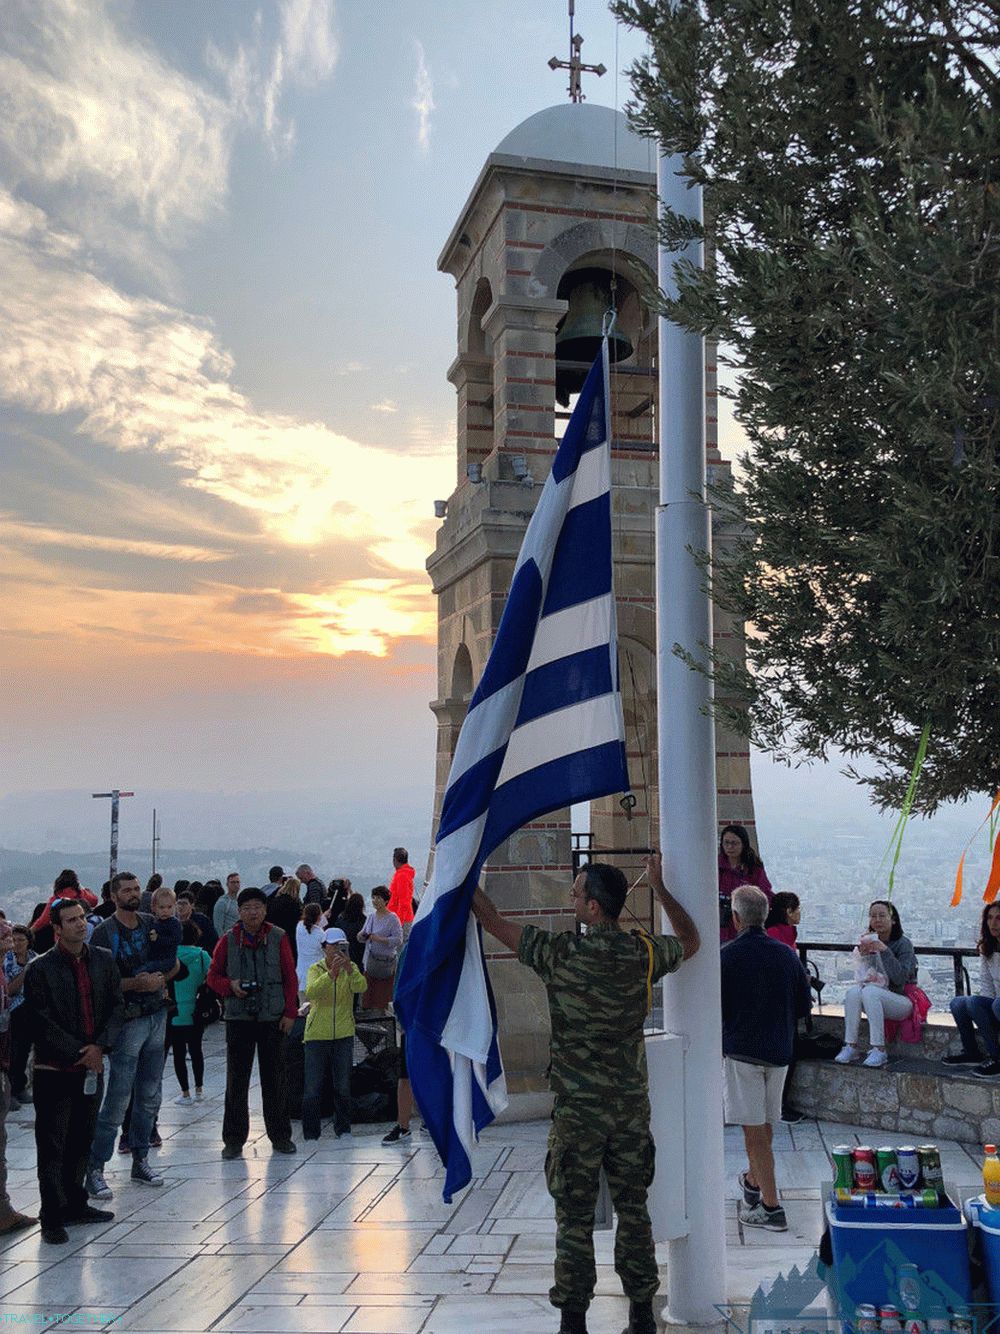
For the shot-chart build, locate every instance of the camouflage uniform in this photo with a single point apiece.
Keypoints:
(597, 993)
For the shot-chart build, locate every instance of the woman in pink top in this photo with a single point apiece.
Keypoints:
(738, 865)
(783, 919)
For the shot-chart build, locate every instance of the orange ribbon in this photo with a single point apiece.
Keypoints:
(993, 883)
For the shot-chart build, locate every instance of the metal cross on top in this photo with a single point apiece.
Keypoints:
(575, 65)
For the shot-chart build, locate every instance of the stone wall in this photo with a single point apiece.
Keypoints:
(914, 1094)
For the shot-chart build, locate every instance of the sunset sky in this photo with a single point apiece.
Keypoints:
(223, 409)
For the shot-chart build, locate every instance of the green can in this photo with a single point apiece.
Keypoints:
(843, 1167)
(930, 1167)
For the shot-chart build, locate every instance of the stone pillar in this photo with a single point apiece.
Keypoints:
(472, 377)
(523, 333)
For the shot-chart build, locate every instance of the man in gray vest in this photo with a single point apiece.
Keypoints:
(254, 972)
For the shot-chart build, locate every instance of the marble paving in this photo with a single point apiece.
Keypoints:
(352, 1236)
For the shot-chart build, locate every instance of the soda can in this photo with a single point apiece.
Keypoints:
(928, 1198)
(908, 1167)
(865, 1319)
(890, 1320)
(930, 1166)
(843, 1167)
(914, 1325)
(865, 1173)
(885, 1165)
(909, 1287)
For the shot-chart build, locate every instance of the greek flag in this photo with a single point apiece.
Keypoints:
(544, 729)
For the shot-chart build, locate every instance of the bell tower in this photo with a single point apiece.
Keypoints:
(557, 230)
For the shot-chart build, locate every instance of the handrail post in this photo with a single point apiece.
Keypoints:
(958, 966)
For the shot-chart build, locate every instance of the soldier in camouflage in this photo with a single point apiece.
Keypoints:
(598, 988)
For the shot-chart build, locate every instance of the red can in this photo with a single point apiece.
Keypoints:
(865, 1171)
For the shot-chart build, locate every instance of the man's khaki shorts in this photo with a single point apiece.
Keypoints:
(752, 1093)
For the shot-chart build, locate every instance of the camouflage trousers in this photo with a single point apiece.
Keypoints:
(581, 1142)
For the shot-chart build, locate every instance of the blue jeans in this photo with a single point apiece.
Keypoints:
(136, 1061)
(335, 1054)
(985, 1014)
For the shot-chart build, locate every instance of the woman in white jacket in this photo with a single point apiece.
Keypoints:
(982, 1010)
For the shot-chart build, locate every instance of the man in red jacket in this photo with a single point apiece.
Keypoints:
(401, 888)
(254, 972)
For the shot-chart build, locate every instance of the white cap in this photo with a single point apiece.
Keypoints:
(334, 936)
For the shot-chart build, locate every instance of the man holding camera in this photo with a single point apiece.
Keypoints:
(254, 972)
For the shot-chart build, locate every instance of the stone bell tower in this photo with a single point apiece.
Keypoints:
(556, 230)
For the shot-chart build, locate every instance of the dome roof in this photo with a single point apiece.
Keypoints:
(582, 133)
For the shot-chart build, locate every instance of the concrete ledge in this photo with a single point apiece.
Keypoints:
(914, 1094)
(527, 1107)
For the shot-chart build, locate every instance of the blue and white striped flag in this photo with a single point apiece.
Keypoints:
(544, 729)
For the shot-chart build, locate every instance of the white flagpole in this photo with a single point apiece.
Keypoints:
(696, 1262)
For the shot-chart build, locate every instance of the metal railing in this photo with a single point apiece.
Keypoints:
(956, 953)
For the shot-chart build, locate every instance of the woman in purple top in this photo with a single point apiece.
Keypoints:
(738, 865)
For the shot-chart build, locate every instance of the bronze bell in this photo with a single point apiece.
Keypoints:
(578, 336)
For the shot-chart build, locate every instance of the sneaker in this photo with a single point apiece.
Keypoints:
(773, 1220)
(154, 1139)
(988, 1070)
(16, 1222)
(751, 1194)
(142, 1172)
(230, 1151)
(875, 1060)
(395, 1135)
(847, 1055)
(961, 1058)
(55, 1236)
(97, 1187)
(791, 1116)
(199, 1095)
(183, 1100)
(123, 1145)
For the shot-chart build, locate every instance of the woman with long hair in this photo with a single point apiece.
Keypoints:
(889, 965)
(382, 937)
(284, 909)
(739, 864)
(308, 941)
(982, 1010)
(350, 921)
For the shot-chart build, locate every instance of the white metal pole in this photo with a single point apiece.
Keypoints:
(696, 1263)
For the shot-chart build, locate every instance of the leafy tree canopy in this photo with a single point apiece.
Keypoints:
(849, 152)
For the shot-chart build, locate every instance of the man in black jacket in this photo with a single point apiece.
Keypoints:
(74, 999)
(764, 992)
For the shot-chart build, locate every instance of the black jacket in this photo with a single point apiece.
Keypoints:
(286, 912)
(765, 992)
(52, 1003)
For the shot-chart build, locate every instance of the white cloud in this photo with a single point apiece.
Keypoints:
(385, 405)
(36, 534)
(145, 376)
(423, 99)
(258, 72)
(97, 122)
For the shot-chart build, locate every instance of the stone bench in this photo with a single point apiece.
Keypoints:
(914, 1094)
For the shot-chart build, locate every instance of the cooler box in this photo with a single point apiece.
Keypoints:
(987, 1221)
(869, 1245)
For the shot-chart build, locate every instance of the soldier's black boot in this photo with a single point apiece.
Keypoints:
(573, 1322)
(640, 1318)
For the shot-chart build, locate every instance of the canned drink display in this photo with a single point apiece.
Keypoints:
(930, 1166)
(914, 1325)
(908, 1167)
(890, 1320)
(865, 1173)
(843, 1167)
(961, 1321)
(887, 1169)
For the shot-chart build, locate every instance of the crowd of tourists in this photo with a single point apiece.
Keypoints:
(136, 974)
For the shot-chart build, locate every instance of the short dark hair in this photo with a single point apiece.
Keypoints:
(154, 883)
(181, 884)
(184, 894)
(607, 886)
(63, 905)
(400, 856)
(190, 933)
(250, 895)
(18, 930)
(65, 880)
(381, 892)
(275, 874)
(120, 877)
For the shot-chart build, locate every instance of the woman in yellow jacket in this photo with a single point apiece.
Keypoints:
(331, 985)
